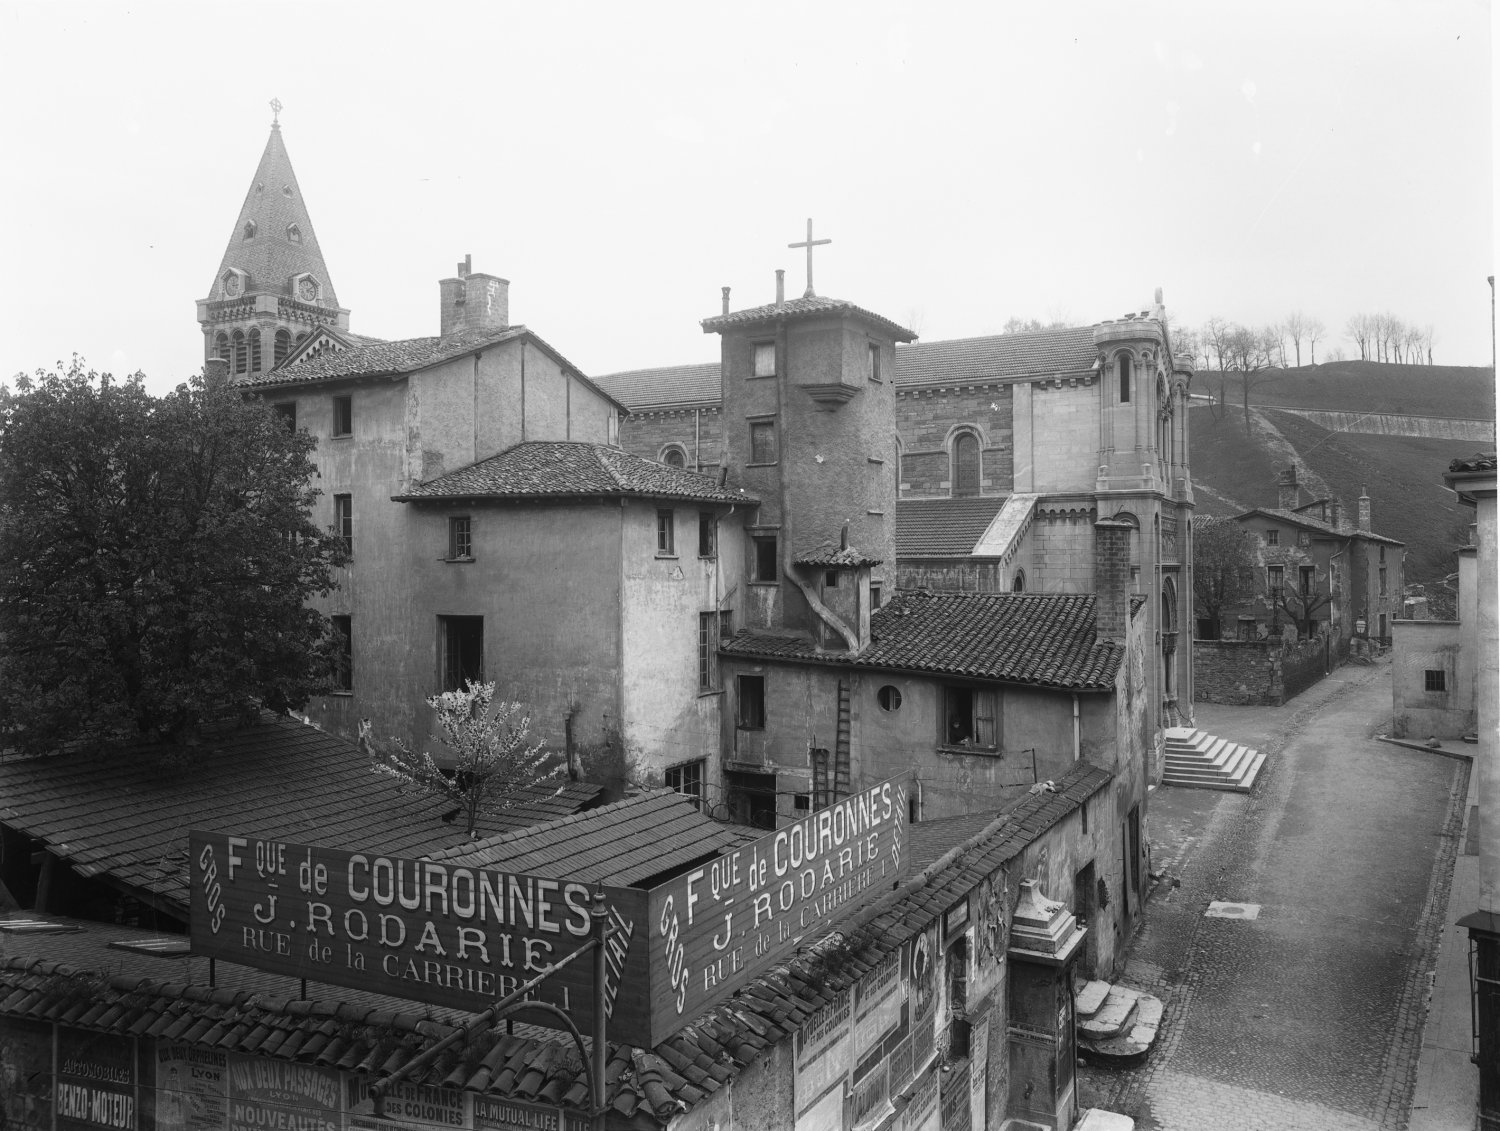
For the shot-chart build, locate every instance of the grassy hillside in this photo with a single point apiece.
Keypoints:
(1367, 386)
(1403, 476)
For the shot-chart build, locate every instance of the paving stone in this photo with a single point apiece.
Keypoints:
(1088, 1000)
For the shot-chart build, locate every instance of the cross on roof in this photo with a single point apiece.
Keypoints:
(275, 111)
(809, 243)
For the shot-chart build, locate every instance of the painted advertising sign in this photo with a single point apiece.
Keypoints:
(265, 1093)
(418, 1107)
(440, 933)
(921, 1112)
(97, 1086)
(717, 926)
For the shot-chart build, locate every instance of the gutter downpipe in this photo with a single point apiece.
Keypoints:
(1077, 745)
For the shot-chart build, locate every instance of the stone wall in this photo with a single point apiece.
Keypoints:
(928, 418)
(1261, 673)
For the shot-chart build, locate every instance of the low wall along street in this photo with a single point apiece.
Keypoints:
(462, 937)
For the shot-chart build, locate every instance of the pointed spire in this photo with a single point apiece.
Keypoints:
(273, 248)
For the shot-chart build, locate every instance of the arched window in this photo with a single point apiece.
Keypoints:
(1124, 378)
(294, 233)
(302, 337)
(282, 348)
(1018, 583)
(221, 346)
(673, 456)
(240, 355)
(254, 351)
(965, 464)
(249, 230)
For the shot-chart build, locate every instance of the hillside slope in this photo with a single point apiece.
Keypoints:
(1463, 391)
(1403, 475)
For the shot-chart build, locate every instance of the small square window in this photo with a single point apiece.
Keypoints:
(765, 560)
(765, 360)
(830, 579)
(872, 362)
(801, 803)
(343, 416)
(1434, 679)
(707, 535)
(686, 778)
(287, 412)
(751, 705)
(1273, 537)
(343, 661)
(460, 539)
(874, 597)
(762, 441)
(666, 533)
(1275, 575)
(343, 521)
(1304, 538)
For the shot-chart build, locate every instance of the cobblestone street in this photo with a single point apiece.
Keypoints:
(1310, 1015)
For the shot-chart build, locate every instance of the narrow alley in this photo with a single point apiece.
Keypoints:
(1309, 1013)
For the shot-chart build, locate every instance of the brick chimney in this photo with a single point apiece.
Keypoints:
(1336, 514)
(1111, 578)
(216, 372)
(1288, 495)
(1364, 511)
(473, 301)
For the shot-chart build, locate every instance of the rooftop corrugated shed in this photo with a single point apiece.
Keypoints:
(943, 528)
(1034, 638)
(551, 469)
(622, 845)
(645, 1088)
(126, 812)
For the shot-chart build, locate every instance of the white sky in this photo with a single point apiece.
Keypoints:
(620, 162)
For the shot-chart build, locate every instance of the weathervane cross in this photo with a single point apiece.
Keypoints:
(809, 243)
(275, 111)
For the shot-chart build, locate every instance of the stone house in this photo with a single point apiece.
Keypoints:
(1436, 681)
(1323, 575)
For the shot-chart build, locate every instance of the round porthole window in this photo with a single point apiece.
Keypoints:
(889, 698)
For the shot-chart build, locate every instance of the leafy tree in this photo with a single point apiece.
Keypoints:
(155, 558)
(491, 758)
(1223, 570)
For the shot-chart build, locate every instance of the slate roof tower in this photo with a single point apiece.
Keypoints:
(272, 287)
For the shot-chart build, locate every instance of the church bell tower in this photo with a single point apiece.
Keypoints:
(272, 288)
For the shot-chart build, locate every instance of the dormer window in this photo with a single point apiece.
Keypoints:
(294, 233)
(249, 230)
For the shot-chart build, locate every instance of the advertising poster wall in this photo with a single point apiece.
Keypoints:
(192, 1088)
(921, 1113)
(979, 1065)
(987, 940)
(417, 929)
(923, 977)
(407, 1106)
(821, 1048)
(278, 1094)
(25, 1075)
(954, 1087)
(97, 1084)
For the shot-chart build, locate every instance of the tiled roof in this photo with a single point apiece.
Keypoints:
(1037, 352)
(989, 358)
(1035, 638)
(642, 389)
(624, 844)
(1293, 518)
(1474, 463)
(370, 359)
(552, 469)
(126, 812)
(269, 258)
(801, 309)
(644, 1088)
(943, 528)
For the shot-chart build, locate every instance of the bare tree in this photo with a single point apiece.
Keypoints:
(1216, 340)
(1314, 329)
(1248, 356)
(1360, 329)
(1431, 334)
(1296, 328)
(1223, 571)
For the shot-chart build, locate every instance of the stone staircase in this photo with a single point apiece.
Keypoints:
(1116, 1025)
(1198, 760)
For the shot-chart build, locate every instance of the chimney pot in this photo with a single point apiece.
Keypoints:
(466, 266)
(780, 286)
(1287, 493)
(1364, 511)
(725, 291)
(473, 301)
